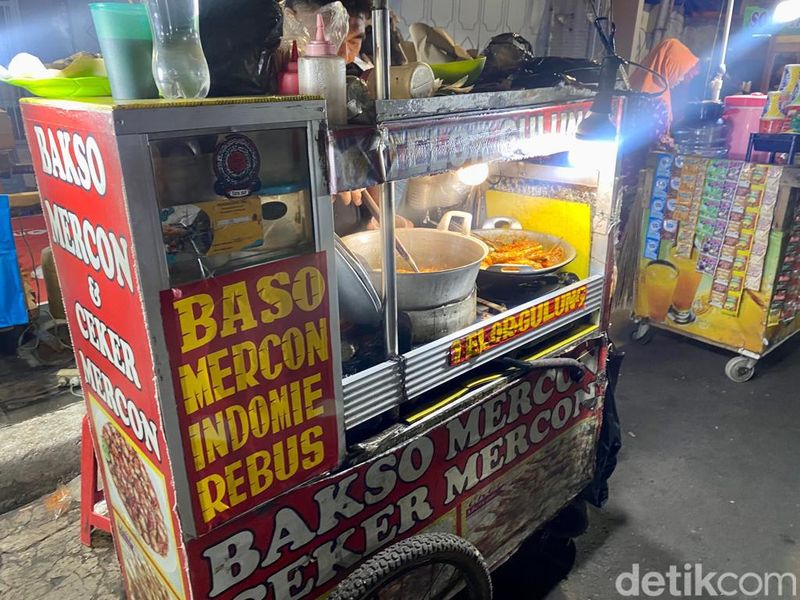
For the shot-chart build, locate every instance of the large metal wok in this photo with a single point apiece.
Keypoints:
(508, 275)
(359, 303)
(449, 263)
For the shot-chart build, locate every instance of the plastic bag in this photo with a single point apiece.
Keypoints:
(505, 53)
(511, 65)
(240, 40)
(59, 502)
(294, 30)
(300, 25)
(550, 71)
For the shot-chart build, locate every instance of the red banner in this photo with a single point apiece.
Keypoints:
(253, 377)
(79, 176)
(494, 471)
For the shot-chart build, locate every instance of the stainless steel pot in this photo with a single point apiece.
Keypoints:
(450, 263)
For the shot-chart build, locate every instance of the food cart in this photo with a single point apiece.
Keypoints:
(273, 405)
(719, 257)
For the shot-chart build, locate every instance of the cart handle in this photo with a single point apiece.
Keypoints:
(577, 370)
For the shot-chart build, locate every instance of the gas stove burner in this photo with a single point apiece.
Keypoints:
(519, 292)
(363, 346)
(434, 323)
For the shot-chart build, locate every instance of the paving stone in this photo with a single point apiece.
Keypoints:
(42, 558)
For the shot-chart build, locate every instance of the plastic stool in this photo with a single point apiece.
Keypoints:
(774, 143)
(90, 494)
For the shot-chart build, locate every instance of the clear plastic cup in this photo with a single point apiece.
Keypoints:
(126, 42)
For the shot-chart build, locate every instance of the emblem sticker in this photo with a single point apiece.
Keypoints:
(236, 165)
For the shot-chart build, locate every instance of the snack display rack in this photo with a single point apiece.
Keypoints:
(733, 283)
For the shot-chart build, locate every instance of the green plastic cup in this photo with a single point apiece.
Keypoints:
(126, 42)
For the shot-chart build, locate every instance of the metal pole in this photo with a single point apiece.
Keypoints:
(382, 39)
(716, 83)
(381, 35)
(726, 34)
(389, 272)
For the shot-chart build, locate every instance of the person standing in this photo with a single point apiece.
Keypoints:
(678, 66)
(665, 83)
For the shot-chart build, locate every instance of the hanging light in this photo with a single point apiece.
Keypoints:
(595, 145)
(474, 174)
(786, 11)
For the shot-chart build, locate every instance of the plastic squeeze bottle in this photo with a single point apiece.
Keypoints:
(288, 79)
(322, 73)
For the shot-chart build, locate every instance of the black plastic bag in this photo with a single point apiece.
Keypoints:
(505, 54)
(240, 40)
(511, 65)
(549, 71)
(610, 441)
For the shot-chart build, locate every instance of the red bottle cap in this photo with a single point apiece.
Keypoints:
(288, 79)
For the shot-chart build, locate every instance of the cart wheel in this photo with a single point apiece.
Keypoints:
(427, 566)
(643, 333)
(740, 369)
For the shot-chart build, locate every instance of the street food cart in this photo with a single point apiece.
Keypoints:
(719, 257)
(273, 405)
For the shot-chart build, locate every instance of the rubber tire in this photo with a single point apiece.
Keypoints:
(643, 334)
(414, 552)
(740, 369)
(571, 522)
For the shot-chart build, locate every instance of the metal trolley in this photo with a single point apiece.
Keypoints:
(242, 453)
(751, 312)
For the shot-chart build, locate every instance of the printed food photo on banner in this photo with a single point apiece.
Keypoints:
(139, 496)
(144, 581)
(134, 485)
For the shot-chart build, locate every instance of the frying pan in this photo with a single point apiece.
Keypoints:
(508, 274)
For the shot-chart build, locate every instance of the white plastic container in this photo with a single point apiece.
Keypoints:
(322, 73)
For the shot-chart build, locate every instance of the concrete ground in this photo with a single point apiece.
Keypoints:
(41, 557)
(708, 473)
(40, 430)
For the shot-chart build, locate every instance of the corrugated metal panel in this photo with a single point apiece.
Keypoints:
(371, 393)
(428, 366)
(379, 389)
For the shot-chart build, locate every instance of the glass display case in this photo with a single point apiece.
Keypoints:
(194, 243)
(510, 245)
(228, 200)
